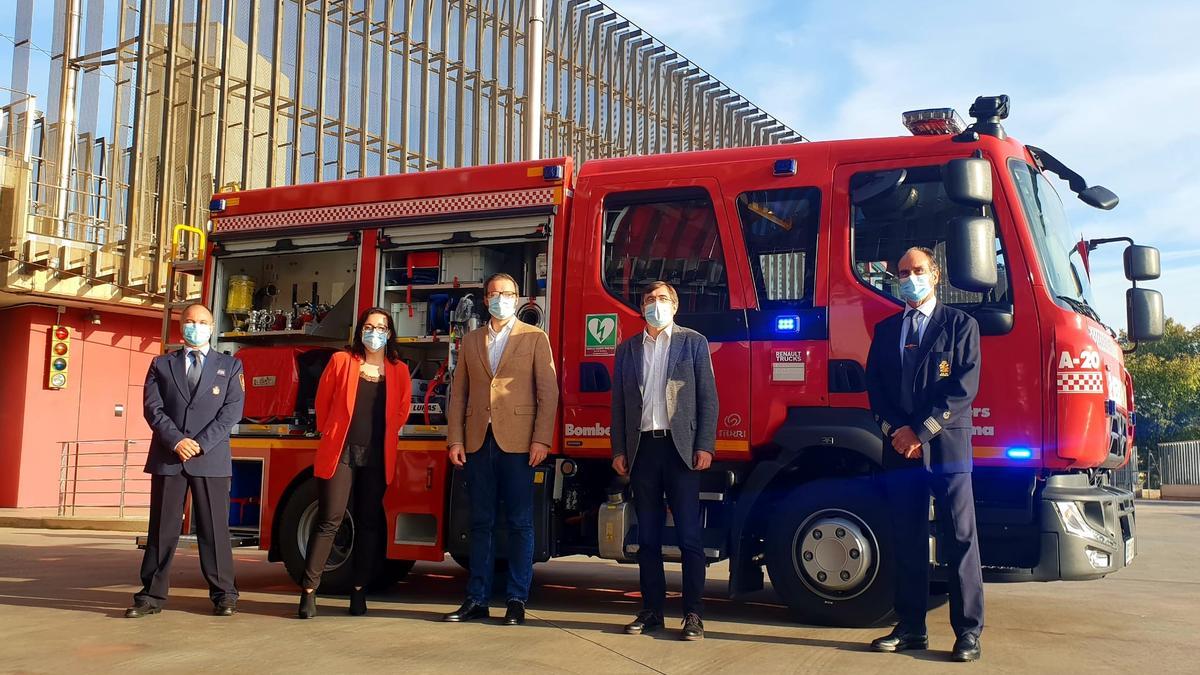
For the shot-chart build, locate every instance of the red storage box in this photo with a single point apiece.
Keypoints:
(273, 380)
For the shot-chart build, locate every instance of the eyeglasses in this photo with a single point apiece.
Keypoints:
(656, 298)
(368, 328)
(507, 295)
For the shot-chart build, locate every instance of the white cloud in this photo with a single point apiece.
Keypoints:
(1110, 88)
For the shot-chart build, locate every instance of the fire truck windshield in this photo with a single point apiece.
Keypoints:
(1062, 269)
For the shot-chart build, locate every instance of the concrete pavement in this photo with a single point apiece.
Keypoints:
(62, 594)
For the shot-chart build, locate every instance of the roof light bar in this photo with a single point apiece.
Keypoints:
(933, 122)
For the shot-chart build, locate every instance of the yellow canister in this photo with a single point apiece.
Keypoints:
(240, 298)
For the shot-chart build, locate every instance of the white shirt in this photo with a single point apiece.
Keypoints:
(924, 311)
(496, 341)
(655, 353)
(187, 356)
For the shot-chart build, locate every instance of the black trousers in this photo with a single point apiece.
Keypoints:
(366, 485)
(210, 517)
(657, 469)
(908, 494)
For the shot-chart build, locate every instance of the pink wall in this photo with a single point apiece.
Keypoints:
(107, 367)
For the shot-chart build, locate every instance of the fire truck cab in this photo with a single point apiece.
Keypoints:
(785, 258)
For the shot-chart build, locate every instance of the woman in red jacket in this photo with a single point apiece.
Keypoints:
(362, 401)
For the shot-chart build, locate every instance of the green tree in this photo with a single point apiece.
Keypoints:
(1166, 385)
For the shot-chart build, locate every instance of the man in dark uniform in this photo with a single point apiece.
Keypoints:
(192, 399)
(922, 375)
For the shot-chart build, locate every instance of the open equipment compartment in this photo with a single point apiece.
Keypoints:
(283, 306)
(432, 279)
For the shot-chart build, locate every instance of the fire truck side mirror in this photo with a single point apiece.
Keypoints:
(971, 253)
(1141, 263)
(968, 181)
(1145, 314)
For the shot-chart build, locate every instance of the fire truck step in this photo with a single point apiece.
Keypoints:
(238, 539)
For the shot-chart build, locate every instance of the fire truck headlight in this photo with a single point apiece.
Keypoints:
(1074, 522)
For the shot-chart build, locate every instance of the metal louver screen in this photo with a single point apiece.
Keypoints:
(783, 275)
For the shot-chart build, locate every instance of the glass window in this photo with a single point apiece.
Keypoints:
(902, 208)
(670, 235)
(780, 227)
(1056, 248)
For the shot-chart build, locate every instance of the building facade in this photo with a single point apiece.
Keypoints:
(124, 116)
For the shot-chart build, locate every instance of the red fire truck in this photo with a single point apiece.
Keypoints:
(785, 258)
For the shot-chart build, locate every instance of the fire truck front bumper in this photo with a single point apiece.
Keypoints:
(1087, 531)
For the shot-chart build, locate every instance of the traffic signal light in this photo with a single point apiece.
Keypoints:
(60, 354)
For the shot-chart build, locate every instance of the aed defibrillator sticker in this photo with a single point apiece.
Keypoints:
(600, 335)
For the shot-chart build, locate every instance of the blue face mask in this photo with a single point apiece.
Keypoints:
(196, 334)
(502, 308)
(659, 314)
(915, 287)
(374, 340)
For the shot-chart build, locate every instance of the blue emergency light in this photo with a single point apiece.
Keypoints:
(787, 323)
(216, 205)
(1019, 453)
(785, 167)
(554, 172)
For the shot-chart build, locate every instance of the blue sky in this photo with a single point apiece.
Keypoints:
(1112, 89)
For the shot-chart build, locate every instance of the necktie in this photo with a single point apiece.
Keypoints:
(193, 374)
(912, 343)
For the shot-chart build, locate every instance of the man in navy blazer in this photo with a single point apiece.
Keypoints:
(191, 401)
(922, 375)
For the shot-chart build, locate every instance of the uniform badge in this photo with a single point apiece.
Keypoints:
(216, 391)
(221, 372)
(946, 415)
(242, 380)
(944, 369)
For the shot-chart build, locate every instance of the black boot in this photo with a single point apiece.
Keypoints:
(358, 602)
(308, 604)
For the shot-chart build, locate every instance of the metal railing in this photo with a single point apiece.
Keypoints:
(95, 467)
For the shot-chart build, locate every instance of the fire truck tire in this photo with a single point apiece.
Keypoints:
(295, 526)
(829, 556)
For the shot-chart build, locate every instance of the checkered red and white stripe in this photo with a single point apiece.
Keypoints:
(1081, 383)
(380, 211)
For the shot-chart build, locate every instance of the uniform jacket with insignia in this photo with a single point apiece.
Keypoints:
(207, 415)
(943, 386)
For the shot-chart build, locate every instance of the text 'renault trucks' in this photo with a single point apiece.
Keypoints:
(785, 258)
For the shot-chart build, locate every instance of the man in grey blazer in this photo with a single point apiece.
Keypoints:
(664, 427)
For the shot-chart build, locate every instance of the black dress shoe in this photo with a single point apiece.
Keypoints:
(515, 615)
(225, 608)
(469, 611)
(899, 641)
(358, 602)
(647, 621)
(967, 648)
(693, 627)
(141, 609)
(308, 605)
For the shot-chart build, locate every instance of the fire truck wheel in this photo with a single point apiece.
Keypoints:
(828, 556)
(295, 526)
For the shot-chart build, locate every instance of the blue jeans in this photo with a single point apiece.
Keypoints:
(496, 478)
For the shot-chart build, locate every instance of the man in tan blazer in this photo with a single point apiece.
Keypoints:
(501, 422)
